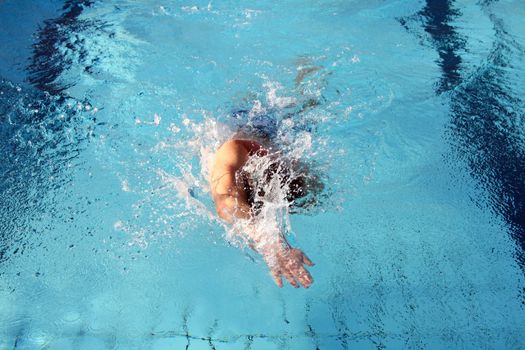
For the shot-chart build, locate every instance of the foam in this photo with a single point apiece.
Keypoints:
(272, 221)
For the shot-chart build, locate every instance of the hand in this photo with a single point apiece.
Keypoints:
(289, 262)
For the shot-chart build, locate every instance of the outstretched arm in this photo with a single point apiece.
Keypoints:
(231, 203)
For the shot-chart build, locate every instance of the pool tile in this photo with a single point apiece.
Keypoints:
(174, 343)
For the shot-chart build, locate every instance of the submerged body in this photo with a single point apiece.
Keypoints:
(231, 191)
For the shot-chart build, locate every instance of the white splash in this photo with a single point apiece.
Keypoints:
(156, 119)
(125, 185)
(277, 101)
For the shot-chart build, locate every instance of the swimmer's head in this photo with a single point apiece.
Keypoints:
(302, 188)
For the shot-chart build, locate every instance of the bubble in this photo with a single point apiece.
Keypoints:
(156, 119)
(118, 225)
(125, 185)
(174, 128)
(71, 317)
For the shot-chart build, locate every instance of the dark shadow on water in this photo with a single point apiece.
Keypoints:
(486, 112)
(42, 132)
(58, 49)
(437, 15)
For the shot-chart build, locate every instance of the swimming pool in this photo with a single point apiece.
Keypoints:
(109, 110)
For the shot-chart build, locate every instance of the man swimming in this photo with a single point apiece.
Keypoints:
(234, 195)
(249, 179)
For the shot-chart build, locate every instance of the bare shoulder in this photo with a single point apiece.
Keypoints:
(239, 146)
(234, 153)
(230, 157)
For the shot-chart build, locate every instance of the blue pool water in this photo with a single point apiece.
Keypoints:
(110, 110)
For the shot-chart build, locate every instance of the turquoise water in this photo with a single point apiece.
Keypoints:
(110, 111)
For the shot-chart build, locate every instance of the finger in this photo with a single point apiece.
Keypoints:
(277, 278)
(307, 261)
(304, 277)
(290, 278)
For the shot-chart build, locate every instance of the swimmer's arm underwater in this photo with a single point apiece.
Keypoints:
(231, 203)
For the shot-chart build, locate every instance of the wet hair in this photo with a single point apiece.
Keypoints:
(302, 187)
